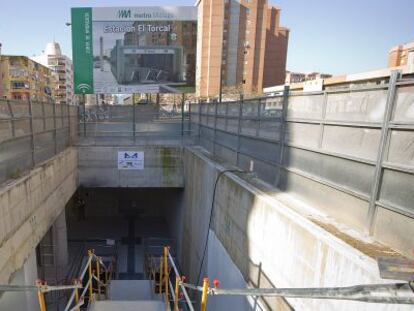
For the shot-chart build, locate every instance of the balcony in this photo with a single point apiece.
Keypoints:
(19, 85)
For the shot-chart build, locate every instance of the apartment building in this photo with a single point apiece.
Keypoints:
(53, 58)
(401, 55)
(24, 79)
(240, 45)
(296, 77)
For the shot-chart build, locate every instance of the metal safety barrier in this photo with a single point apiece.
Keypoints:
(394, 293)
(98, 274)
(32, 132)
(353, 143)
(169, 282)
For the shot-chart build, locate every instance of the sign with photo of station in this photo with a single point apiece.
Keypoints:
(134, 50)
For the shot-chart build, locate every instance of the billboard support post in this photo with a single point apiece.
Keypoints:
(134, 120)
(84, 114)
(182, 114)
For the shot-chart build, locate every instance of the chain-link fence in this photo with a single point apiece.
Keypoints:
(347, 152)
(32, 132)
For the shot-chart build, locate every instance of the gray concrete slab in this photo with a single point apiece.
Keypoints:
(128, 306)
(130, 290)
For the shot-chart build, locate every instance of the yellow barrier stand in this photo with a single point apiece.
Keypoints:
(77, 282)
(41, 296)
(161, 280)
(90, 254)
(98, 276)
(204, 295)
(166, 274)
(177, 292)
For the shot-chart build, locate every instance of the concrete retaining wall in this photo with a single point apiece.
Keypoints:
(30, 205)
(98, 167)
(268, 241)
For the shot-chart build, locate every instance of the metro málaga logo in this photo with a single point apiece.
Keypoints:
(124, 13)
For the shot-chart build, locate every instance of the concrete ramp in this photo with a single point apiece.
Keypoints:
(128, 306)
(128, 290)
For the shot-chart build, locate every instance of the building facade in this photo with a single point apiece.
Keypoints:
(296, 77)
(401, 55)
(25, 79)
(1, 82)
(53, 58)
(241, 45)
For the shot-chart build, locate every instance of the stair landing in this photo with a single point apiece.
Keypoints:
(141, 305)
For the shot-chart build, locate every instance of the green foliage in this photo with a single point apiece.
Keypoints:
(15, 174)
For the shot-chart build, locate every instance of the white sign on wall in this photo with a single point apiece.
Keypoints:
(130, 160)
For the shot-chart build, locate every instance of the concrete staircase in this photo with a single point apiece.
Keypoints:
(130, 295)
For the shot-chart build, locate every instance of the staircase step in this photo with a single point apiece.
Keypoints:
(141, 305)
(128, 290)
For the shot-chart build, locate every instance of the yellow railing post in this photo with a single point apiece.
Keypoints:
(166, 276)
(161, 280)
(98, 277)
(106, 274)
(41, 296)
(204, 295)
(177, 292)
(77, 282)
(90, 254)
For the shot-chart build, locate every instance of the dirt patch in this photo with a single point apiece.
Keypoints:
(372, 250)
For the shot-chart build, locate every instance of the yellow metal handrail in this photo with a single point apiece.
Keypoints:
(93, 274)
(166, 287)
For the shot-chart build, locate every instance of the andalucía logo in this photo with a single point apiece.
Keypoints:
(83, 87)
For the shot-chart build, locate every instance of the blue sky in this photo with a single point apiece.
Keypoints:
(334, 36)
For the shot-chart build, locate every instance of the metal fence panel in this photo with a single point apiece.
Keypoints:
(354, 145)
(368, 106)
(33, 132)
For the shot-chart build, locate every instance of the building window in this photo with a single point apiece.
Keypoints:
(19, 85)
(247, 11)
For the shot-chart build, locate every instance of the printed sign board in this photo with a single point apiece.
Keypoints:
(134, 50)
(130, 160)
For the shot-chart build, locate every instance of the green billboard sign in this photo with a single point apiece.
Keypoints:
(82, 50)
(134, 50)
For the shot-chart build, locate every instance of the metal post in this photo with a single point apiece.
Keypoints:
(84, 117)
(41, 296)
(200, 105)
(69, 131)
(239, 129)
(98, 276)
(77, 282)
(227, 116)
(204, 295)
(32, 136)
(382, 150)
(44, 116)
(258, 117)
(90, 254)
(106, 276)
(161, 274)
(166, 274)
(62, 116)
(177, 292)
(54, 128)
(282, 132)
(323, 116)
(12, 118)
(189, 120)
(134, 126)
(215, 128)
(182, 114)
